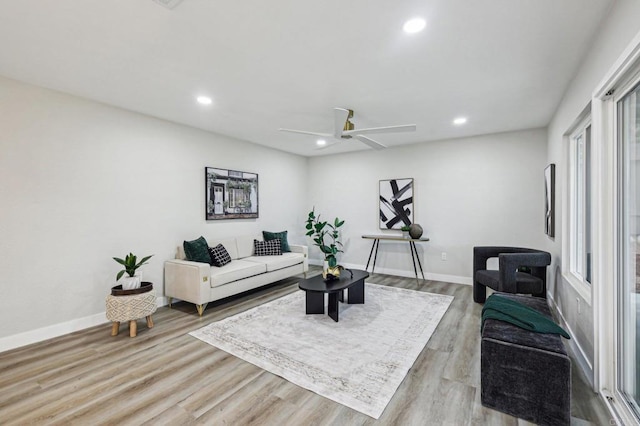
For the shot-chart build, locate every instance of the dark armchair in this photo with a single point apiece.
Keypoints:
(511, 276)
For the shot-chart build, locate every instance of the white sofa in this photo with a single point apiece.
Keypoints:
(200, 283)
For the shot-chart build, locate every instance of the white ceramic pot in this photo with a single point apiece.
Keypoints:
(131, 283)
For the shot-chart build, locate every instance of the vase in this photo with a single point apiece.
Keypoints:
(330, 273)
(130, 283)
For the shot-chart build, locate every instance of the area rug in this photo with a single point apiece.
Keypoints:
(358, 362)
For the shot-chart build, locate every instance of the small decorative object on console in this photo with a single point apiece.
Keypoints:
(405, 231)
(415, 231)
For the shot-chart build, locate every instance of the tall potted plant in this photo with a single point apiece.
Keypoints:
(131, 264)
(320, 230)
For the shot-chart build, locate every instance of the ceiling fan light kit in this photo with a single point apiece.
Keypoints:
(345, 129)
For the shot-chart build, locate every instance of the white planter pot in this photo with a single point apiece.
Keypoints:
(130, 283)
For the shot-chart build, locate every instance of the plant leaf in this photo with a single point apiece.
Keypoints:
(120, 274)
(144, 260)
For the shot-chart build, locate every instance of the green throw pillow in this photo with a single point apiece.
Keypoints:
(282, 236)
(197, 250)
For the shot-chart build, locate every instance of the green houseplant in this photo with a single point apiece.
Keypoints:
(326, 236)
(405, 231)
(131, 264)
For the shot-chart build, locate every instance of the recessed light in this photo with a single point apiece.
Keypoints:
(204, 100)
(414, 25)
(321, 142)
(460, 120)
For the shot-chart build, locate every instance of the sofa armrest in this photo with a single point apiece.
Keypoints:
(295, 248)
(188, 281)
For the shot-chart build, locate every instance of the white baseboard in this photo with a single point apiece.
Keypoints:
(409, 274)
(56, 330)
(574, 346)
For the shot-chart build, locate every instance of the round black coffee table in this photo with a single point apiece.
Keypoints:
(316, 287)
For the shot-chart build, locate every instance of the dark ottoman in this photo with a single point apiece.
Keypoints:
(525, 374)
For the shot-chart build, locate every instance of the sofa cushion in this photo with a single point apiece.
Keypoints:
(267, 248)
(273, 263)
(245, 245)
(234, 271)
(219, 255)
(228, 243)
(197, 250)
(282, 236)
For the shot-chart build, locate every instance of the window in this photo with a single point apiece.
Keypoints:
(580, 247)
(628, 289)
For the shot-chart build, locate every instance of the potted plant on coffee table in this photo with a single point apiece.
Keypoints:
(319, 230)
(131, 264)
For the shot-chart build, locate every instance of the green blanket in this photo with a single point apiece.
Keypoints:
(503, 309)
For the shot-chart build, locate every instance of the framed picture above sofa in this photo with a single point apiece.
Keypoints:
(396, 203)
(230, 194)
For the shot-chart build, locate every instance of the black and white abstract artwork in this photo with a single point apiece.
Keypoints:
(396, 203)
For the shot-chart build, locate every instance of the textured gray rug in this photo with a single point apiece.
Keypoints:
(358, 362)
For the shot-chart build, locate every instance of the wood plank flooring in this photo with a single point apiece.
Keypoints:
(166, 377)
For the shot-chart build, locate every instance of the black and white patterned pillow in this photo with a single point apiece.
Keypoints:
(219, 255)
(267, 248)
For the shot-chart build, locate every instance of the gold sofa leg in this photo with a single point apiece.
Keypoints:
(201, 308)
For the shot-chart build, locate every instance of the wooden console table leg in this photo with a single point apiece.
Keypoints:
(133, 328)
(115, 328)
(149, 321)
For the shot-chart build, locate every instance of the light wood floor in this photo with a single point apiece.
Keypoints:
(163, 376)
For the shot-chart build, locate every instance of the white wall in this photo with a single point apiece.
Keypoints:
(616, 32)
(486, 190)
(81, 182)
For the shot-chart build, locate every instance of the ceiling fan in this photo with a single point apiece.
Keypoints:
(344, 129)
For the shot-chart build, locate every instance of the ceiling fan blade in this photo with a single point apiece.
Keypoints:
(386, 129)
(370, 142)
(304, 132)
(340, 116)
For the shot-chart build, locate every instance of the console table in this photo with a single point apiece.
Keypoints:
(395, 238)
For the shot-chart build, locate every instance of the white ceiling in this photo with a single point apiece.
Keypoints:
(504, 64)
